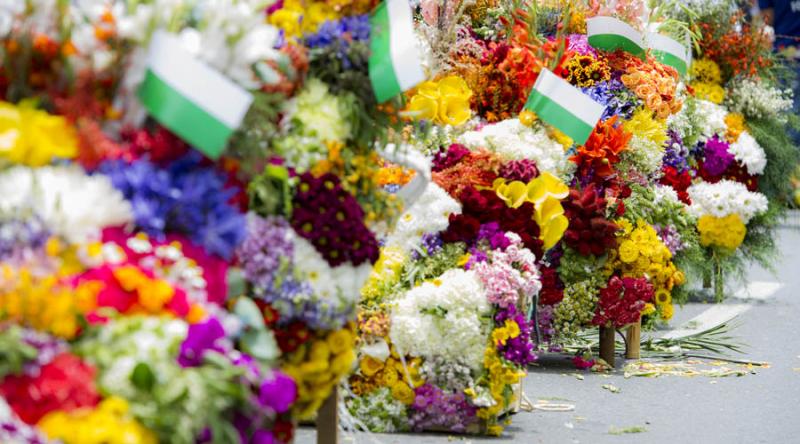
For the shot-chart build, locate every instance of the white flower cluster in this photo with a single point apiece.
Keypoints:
(429, 214)
(513, 141)
(724, 198)
(700, 119)
(644, 155)
(756, 99)
(443, 318)
(665, 193)
(70, 202)
(332, 283)
(749, 153)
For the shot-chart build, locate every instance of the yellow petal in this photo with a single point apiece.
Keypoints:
(454, 86)
(454, 110)
(552, 232)
(514, 194)
(428, 89)
(423, 107)
(547, 210)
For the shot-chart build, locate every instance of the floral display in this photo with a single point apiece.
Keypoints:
(208, 260)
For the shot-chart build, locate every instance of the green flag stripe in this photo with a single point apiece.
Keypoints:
(558, 116)
(381, 69)
(612, 42)
(183, 117)
(671, 60)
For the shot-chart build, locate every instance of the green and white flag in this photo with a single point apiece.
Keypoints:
(610, 34)
(669, 52)
(192, 99)
(394, 61)
(564, 106)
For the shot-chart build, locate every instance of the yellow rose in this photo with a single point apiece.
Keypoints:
(369, 366)
(628, 252)
(403, 393)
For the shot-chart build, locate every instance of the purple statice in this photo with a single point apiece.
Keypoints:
(716, 157)
(21, 236)
(547, 330)
(263, 253)
(676, 154)
(345, 30)
(523, 170)
(277, 392)
(392, 188)
(186, 196)
(618, 100)
(431, 244)
(202, 338)
(671, 238)
(13, 430)
(580, 43)
(495, 237)
(434, 409)
(296, 302)
(518, 350)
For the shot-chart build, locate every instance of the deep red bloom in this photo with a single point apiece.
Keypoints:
(589, 231)
(552, 288)
(621, 301)
(65, 383)
(680, 182)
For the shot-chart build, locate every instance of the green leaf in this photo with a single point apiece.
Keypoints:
(237, 284)
(249, 313)
(260, 344)
(143, 377)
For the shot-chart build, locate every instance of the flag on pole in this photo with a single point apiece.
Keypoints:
(394, 61)
(668, 51)
(564, 106)
(193, 100)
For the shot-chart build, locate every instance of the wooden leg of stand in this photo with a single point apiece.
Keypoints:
(328, 420)
(607, 345)
(633, 340)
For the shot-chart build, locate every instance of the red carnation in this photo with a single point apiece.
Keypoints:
(589, 231)
(621, 301)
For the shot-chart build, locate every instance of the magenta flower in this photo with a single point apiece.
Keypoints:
(278, 393)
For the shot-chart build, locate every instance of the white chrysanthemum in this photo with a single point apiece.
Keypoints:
(756, 99)
(444, 320)
(699, 118)
(665, 193)
(70, 202)
(429, 214)
(318, 113)
(344, 281)
(513, 140)
(724, 198)
(749, 153)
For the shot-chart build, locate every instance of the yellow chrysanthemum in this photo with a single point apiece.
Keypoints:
(705, 70)
(735, 124)
(667, 310)
(643, 124)
(34, 138)
(726, 233)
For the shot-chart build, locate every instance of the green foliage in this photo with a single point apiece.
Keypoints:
(14, 352)
(249, 143)
(576, 267)
(429, 267)
(782, 156)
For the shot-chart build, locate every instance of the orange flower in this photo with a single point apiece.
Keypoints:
(602, 149)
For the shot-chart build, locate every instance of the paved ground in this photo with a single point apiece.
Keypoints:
(763, 406)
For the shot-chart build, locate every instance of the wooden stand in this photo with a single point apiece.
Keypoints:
(633, 340)
(328, 420)
(607, 345)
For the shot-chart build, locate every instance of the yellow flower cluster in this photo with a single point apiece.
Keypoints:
(705, 70)
(41, 302)
(641, 253)
(32, 137)
(400, 379)
(712, 92)
(585, 70)
(735, 124)
(444, 101)
(643, 124)
(298, 17)
(509, 330)
(724, 232)
(545, 193)
(109, 423)
(393, 175)
(385, 273)
(317, 366)
(500, 379)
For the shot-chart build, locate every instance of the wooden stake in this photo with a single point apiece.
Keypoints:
(633, 340)
(328, 420)
(607, 345)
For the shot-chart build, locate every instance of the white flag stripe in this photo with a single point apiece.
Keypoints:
(570, 98)
(610, 25)
(403, 45)
(205, 87)
(666, 44)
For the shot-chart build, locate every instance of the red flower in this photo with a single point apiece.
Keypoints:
(552, 288)
(589, 231)
(621, 301)
(283, 431)
(601, 151)
(680, 182)
(65, 383)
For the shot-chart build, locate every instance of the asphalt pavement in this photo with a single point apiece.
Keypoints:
(696, 404)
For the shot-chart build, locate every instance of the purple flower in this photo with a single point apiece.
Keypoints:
(202, 338)
(263, 437)
(523, 170)
(435, 409)
(496, 237)
(717, 159)
(675, 154)
(518, 350)
(580, 44)
(278, 393)
(618, 100)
